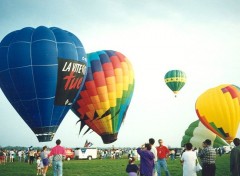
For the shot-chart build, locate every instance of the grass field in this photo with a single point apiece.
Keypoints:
(106, 167)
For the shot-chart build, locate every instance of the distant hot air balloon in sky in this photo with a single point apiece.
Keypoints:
(218, 109)
(196, 133)
(41, 72)
(175, 80)
(104, 100)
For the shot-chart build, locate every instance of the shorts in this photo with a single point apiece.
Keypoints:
(45, 162)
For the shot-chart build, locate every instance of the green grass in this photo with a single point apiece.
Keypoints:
(106, 167)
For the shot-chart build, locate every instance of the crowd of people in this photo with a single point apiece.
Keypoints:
(13, 155)
(43, 158)
(110, 153)
(153, 159)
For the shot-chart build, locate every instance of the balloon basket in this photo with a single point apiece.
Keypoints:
(45, 138)
(109, 138)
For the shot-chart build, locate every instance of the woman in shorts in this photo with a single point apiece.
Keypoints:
(45, 161)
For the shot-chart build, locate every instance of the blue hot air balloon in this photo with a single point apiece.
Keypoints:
(42, 71)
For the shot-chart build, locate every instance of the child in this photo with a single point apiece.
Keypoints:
(132, 169)
(39, 168)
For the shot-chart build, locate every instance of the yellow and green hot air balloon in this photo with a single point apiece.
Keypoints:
(219, 110)
(175, 80)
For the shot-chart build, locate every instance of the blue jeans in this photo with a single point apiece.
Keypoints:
(57, 168)
(162, 163)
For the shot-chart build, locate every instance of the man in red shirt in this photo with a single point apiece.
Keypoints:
(58, 153)
(162, 153)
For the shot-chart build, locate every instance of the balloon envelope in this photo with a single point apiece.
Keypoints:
(196, 133)
(41, 73)
(104, 100)
(218, 109)
(175, 80)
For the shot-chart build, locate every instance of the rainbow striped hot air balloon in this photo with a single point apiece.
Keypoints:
(196, 133)
(175, 80)
(219, 110)
(103, 102)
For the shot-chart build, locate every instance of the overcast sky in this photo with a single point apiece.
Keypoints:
(201, 38)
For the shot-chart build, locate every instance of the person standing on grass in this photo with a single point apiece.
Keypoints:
(132, 169)
(172, 154)
(188, 160)
(162, 153)
(146, 160)
(235, 158)
(154, 151)
(20, 155)
(39, 169)
(208, 158)
(11, 155)
(5, 156)
(31, 156)
(45, 161)
(2, 158)
(58, 154)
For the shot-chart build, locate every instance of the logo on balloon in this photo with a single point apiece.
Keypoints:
(70, 77)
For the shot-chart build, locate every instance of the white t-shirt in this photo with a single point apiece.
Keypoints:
(20, 153)
(11, 153)
(154, 151)
(189, 162)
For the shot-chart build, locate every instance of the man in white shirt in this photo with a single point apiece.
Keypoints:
(11, 155)
(20, 155)
(154, 151)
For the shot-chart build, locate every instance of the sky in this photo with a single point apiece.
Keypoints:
(202, 38)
